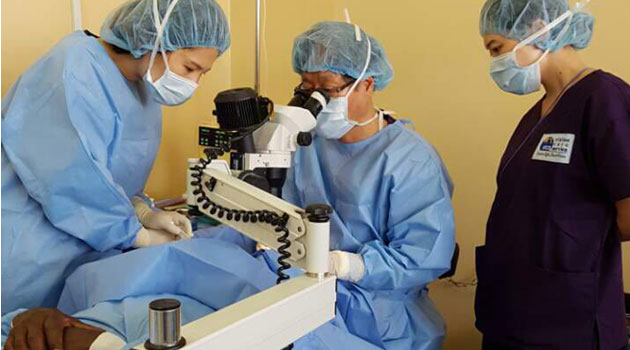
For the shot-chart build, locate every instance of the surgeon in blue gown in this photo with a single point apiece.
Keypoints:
(109, 298)
(80, 132)
(392, 230)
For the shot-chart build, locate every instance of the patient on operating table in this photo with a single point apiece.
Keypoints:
(108, 299)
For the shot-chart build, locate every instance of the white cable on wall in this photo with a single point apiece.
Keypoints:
(265, 58)
(257, 49)
(76, 15)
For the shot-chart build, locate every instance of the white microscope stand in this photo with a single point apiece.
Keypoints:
(278, 316)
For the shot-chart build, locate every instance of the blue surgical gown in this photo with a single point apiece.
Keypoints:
(114, 294)
(78, 141)
(391, 196)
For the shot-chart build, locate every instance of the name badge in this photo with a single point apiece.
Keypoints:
(555, 148)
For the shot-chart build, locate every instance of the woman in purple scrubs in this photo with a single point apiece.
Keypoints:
(550, 272)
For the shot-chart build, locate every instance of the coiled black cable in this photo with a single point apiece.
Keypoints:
(264, 216)
(283, 249)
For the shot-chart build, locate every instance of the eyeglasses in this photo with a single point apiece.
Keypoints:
(332, 92)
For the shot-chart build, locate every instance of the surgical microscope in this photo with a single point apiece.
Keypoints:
(260, 139)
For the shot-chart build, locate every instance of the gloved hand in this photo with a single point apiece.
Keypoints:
(174, 223)
(346, 266)
(147, 237)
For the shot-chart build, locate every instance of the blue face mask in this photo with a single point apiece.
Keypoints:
(510, 76)
(333, 121)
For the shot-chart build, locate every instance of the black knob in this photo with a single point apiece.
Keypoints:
(304, 139)
(164, 304)
(318, 212)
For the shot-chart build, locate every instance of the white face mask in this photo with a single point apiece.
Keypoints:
(171, 89)
(333, 121)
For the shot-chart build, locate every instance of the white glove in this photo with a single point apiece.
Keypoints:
(346, 266)
(147, 237)
(174, 223)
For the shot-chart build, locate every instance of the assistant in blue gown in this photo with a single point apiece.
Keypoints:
(78, 141)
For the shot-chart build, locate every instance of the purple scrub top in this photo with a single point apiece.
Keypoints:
(550, 272)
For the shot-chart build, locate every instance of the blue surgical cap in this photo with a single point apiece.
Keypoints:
(193, 23)
(332, 46)
(518, 19)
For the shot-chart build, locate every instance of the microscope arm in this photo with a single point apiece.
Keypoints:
(309, 239)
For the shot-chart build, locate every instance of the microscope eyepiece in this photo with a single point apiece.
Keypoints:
(313, 102)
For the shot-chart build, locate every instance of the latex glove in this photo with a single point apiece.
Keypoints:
(147, 237)
(172, 222)
(346, 266)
